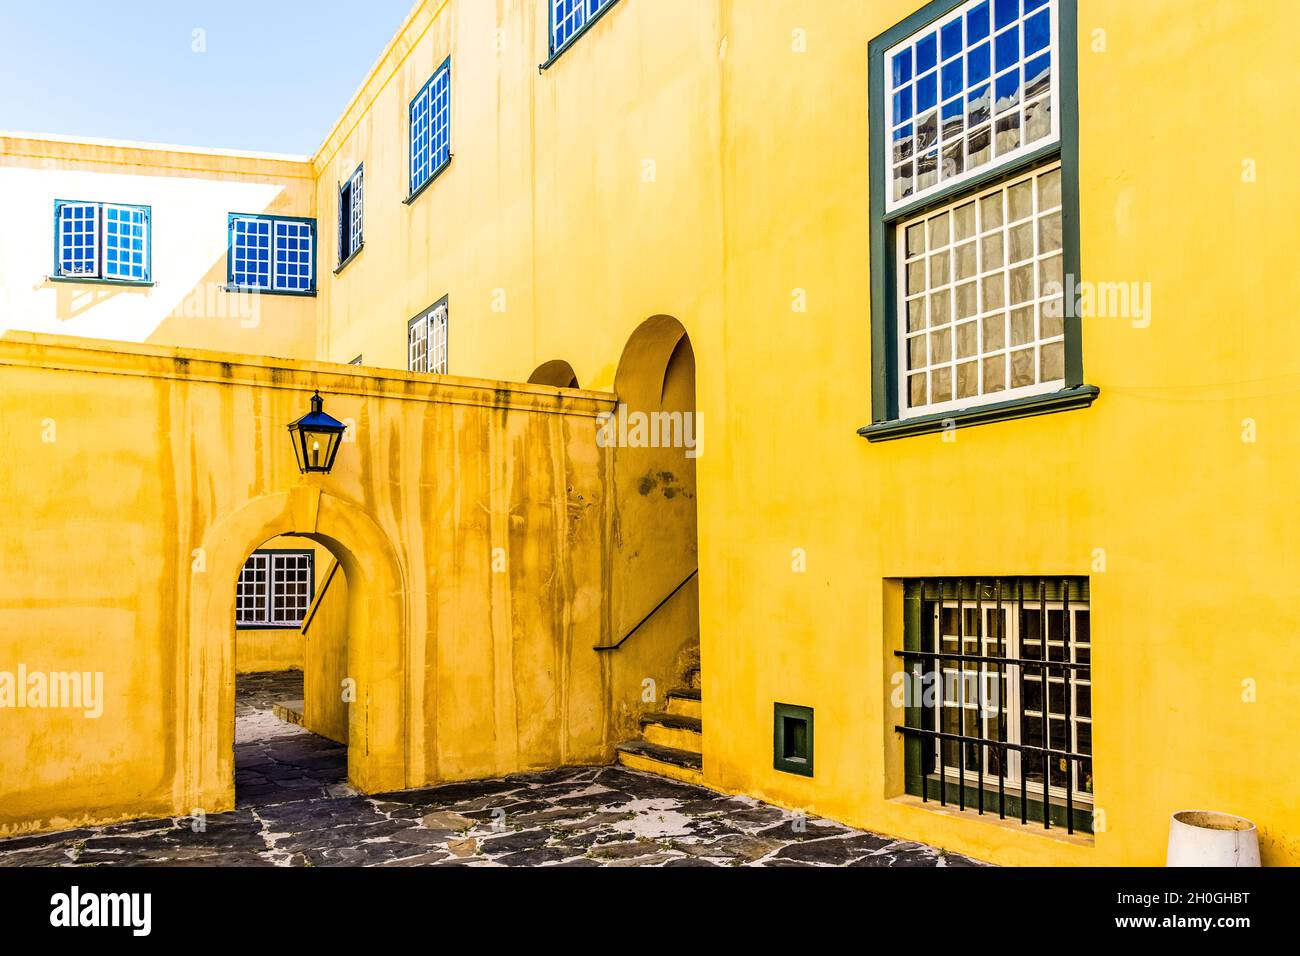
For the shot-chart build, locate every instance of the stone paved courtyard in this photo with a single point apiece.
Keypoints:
(295, 808)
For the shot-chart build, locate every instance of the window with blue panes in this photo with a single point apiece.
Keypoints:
(97, 240)
(430, 114)
(272, 254)
(975, 216)
(569, 17)
(969, 92)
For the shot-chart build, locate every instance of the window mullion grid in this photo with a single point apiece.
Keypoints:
(942, 690)
(101, 239)
(1067, 654)
(1003, 706)
(1020, 704)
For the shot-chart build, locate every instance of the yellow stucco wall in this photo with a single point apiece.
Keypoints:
(708, 159)
(190, 192)
(325, 661)
(144, 477)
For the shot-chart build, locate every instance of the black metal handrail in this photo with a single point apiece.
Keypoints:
(653, 612)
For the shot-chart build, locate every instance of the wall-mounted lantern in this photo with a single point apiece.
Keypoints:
(316, 438)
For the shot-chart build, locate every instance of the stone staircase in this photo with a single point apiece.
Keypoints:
(670, 742)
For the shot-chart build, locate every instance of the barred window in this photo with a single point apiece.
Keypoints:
(999, 704)
(430, 114)
(971, 90)
(272, 254)
(571, 17)
(351, 209)
(275, 589)
(982, 309)
(97, 240)
(426, 341)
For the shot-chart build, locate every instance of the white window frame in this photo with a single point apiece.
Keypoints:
(99, 240)
(256, 597)
(998, 162)
(427, 131)
(272, 224)
(580, 13)
(1012, 650)
(427, 340)
(1038, 301)
(352, 218)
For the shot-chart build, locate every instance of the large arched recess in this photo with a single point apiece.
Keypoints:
(654, 579)
(378, 738)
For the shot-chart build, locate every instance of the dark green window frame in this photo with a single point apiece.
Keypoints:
(57, 275)
(801, 764)
(887, 422)
(1010, 800)
(558, 51)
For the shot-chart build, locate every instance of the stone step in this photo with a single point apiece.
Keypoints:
(685, 701)
(290, 711)
(676, 731)
(664, 761)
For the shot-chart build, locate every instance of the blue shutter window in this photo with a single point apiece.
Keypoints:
(105, 241)
(570, 17)
(430, 114)
(126, 231)
(351, 216)
(272, 254)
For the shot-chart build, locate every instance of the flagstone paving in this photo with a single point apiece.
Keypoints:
(294, 808)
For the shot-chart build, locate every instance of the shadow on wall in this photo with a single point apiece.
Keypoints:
(72, 301)
(557, 374)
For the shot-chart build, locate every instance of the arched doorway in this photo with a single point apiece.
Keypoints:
(293, 691)
(557, 374)
(376, 648)
(657, 436)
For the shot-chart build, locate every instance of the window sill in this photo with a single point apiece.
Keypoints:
(95, 280)
(1030, 830)
(344, 264)
(268, 627)
(250, 290)
(428, 182)
(556, 54)
(1067, 399)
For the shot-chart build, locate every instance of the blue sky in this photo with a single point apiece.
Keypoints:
(274, 76)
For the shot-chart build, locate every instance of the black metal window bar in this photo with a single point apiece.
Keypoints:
(998, 713)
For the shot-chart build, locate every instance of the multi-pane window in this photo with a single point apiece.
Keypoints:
(975, 217)
(999, 714)
(981, 295)
(569, 17)
(272, 254)
(430, 114)
(972, 90)
(426, 341)
(351, 206)
(97, 240)
(275, 589)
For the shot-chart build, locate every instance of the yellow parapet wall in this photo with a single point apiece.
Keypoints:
(147, 476)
